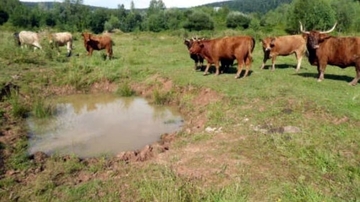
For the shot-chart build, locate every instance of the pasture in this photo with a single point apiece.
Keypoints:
(234, 146)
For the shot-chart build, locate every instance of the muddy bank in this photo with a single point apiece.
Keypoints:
(13, 130)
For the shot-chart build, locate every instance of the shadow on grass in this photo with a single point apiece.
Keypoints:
(280, 66)
(327, 76)
(229, 70)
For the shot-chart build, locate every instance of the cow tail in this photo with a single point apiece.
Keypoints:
(253, 44)
(112, 43)
(252, 47)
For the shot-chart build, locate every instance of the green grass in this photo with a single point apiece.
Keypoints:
(321, 163)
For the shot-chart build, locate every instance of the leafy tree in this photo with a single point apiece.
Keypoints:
(174, 18)
(313, 14)
(345, 13)
(255, 24)
(237, 19)
(4, 16)
(21, 17)
(98, 19)
(157, 22)
(9, 6)
(199, 21)
(112, 23)
(155, 7)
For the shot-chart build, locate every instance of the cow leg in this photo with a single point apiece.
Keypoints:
(240, 67)
(207, 68)
(299, 58)
(263, 64)
(68, 46)
(247, 65)
(273, 63)
(217, 66)
(357, 76)
(37, 45)
(321, 70)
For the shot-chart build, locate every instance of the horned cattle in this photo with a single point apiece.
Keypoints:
(227, 48)
(326, 50)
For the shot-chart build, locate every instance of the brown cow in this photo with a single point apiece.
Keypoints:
(199, 61)
(338, 51)
(227, 48)
(92, 42)
(283, 46)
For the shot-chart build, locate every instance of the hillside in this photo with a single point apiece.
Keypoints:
(245, 6)
(250, 6)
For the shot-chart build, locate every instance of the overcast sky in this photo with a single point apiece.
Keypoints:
(139, 3)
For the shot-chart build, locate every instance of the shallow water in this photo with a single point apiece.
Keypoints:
(93, 125)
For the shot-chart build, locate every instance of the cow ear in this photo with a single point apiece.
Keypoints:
(322, 37)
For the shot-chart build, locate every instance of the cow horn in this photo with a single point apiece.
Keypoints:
(330, 30)
(302, 29)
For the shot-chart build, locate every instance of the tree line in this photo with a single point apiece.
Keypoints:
(74, 16)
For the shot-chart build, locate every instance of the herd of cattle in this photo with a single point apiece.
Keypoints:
(321, 48)
(91, 42)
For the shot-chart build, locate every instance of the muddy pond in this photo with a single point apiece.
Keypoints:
(101, 124)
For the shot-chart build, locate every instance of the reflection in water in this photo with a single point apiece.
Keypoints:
(91, 125)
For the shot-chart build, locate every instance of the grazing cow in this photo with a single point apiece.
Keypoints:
(92, 42)
(227, 48)
(199, 61)
(30, 38)
(283, 46)
(338, 51)
(61, 39)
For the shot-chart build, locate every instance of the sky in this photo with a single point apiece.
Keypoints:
(138, 3)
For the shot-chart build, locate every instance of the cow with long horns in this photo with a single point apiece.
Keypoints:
(338, 51)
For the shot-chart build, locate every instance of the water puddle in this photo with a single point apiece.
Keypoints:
(93, 125)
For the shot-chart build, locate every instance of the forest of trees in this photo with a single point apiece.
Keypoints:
(74, 16)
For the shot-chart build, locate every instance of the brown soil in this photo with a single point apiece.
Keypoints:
(195, 119)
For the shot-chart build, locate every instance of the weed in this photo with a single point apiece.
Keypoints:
(125, 90)
(161, 98)
(18, 107)
(42, 109)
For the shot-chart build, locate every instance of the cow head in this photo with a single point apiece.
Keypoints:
(196, 47)
(17, 39)
(86, 36)
(268, 43)
(314, 38)
(188, 43)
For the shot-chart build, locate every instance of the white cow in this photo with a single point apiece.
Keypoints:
(61, 39)
(30, 38)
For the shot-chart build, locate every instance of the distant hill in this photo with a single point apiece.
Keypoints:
(245, 6)
(250, 6)
(49, 4)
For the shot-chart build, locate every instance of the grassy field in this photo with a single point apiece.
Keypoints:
(250, 159)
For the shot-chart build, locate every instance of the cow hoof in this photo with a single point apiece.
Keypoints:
(319, 80)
